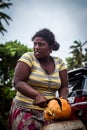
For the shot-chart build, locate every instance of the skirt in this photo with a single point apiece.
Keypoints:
(25, 119)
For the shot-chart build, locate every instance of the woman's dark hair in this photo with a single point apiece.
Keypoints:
(48, 36)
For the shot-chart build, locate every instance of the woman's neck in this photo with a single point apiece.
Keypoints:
(45, 60)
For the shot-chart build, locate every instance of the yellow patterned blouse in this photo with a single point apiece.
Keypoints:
(40, 80)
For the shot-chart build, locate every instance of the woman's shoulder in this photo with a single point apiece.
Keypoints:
(28, 54)
(60, 63)
(58, 59)
(28, 58)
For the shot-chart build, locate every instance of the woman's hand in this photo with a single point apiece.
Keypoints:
(40, 101)
(63, 90)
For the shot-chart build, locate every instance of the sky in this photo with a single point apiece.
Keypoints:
(67, 19)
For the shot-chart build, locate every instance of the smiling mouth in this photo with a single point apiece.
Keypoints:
(36, 52)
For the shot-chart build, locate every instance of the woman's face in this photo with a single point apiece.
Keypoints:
(41, 48)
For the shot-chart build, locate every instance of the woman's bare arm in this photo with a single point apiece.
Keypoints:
(21, 75)
(63, 91)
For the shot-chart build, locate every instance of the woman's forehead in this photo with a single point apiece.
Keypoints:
(37, 39)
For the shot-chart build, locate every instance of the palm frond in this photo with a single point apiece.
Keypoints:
(84, 43)
(2, 29)
(5, 17)
(5, 5)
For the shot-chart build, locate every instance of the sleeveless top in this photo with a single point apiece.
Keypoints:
(40, 80)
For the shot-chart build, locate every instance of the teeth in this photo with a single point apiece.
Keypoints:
(36, 52)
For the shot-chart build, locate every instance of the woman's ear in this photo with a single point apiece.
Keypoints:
(50, 51)
(51, 48)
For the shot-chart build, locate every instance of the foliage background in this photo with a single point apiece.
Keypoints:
(9, 54)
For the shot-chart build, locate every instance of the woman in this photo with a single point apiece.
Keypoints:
(37, 77)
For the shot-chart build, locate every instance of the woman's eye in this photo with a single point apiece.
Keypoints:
(35, 43)
(41, 44)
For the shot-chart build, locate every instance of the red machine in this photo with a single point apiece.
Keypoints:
(78, 94)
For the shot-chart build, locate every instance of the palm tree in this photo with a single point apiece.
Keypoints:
(77, 53)
(4, 16)
(85, 58)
